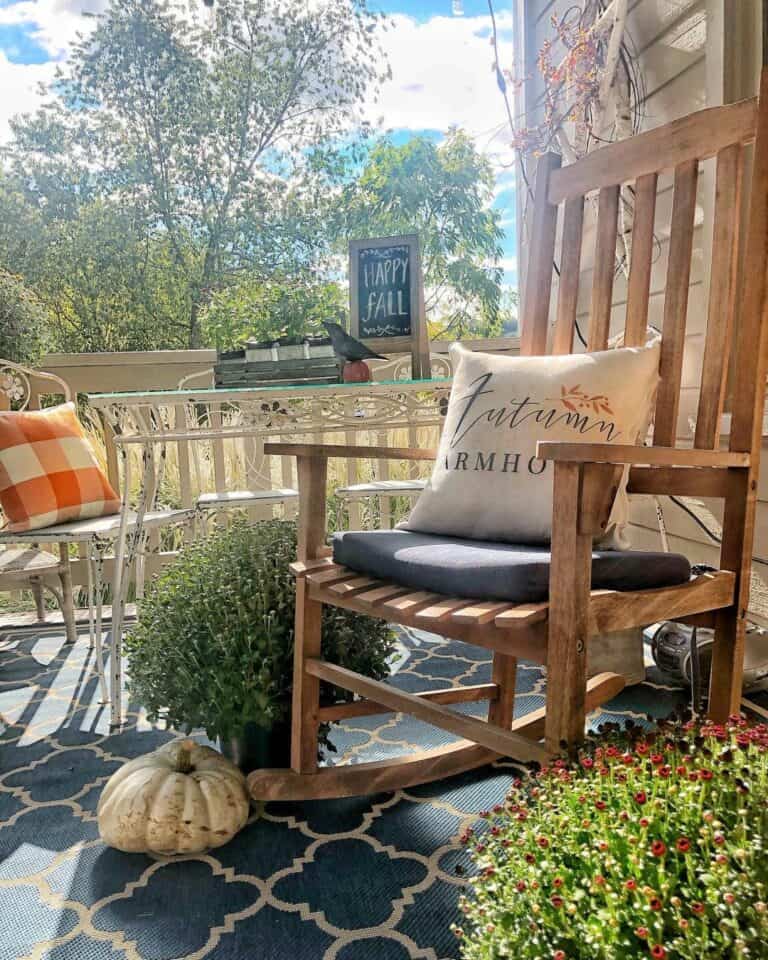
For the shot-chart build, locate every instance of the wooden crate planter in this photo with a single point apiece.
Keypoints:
(312, 361)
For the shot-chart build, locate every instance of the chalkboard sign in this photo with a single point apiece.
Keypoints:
(384, 279)
(387, 298)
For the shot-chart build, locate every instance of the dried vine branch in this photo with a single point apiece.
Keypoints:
(591, 96)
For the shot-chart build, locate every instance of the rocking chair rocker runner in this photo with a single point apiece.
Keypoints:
(557, 631)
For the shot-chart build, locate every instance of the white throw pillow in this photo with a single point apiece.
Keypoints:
(487, 483)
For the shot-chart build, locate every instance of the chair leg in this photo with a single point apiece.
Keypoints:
(90, 595)
(306, 688)
(569, 588)
(504, 672)
(37, 592)
(95, 585)
(726, 674)
(140, 565)
(67, 600)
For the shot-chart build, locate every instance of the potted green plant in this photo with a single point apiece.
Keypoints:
(651, 845)
(213, 646)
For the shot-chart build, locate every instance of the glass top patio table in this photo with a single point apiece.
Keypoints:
(126, 396)
(266, 411)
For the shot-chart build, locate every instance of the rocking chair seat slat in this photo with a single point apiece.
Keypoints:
(609, 610)
(443, 610)
(388, 591)
(481, 571)
(354, 585)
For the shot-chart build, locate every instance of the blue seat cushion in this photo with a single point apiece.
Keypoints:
(480, 570)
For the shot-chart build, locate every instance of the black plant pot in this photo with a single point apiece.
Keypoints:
(256, 747)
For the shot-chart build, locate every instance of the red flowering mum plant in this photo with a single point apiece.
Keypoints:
(649, 845)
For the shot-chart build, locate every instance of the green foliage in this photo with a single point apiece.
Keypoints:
(207, 132)
(191, 177)
(213, 646)
(444, 193)
(653, 845)
(270, 309)
(24, 322)
(112, 288)
(509, 318)
(107, 284)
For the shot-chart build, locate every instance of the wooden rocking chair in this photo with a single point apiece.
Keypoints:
(557, 632)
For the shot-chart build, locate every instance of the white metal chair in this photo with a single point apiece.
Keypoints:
(40, 570)
(384, 487)
(209, 503)
(21, 389)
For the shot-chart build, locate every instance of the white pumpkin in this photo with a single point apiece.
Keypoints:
(183, 798)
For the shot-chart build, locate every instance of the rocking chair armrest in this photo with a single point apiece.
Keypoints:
(619, 453)
(325, 451)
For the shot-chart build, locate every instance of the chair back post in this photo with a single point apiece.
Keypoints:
(312, 475)
(751, 357)
(748, 404)
(20, 387)
(538, 283)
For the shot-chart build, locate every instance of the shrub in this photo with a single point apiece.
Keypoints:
(650, 846)
(213, 646)
(24, 321)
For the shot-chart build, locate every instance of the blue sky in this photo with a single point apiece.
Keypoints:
(19, 46)
(424, 10)
(441, 67)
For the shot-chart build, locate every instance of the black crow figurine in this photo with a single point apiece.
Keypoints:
(346, 347)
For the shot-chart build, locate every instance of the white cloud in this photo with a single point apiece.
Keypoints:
(442, 68)
(442, 75)
(53, 24)
(508, 264)
(20, 81)
(505, 180)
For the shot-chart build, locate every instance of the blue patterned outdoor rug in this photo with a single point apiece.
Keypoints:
(375, 877)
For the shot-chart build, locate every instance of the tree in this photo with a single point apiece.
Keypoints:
(205, 132)
(270, 309)
(23, 321)
(509, 316)
(443, 192)
(106, 283)
(112, 286)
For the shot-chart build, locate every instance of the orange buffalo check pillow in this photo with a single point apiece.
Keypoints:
(48, 470)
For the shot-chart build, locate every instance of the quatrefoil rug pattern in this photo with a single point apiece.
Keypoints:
(373, 878)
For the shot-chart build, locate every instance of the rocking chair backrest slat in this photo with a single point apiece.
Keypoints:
(605, 268)
(641, 258)
(570, 265)
(722, 295)
(676, 303)
(624, 178)
(697, 136)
